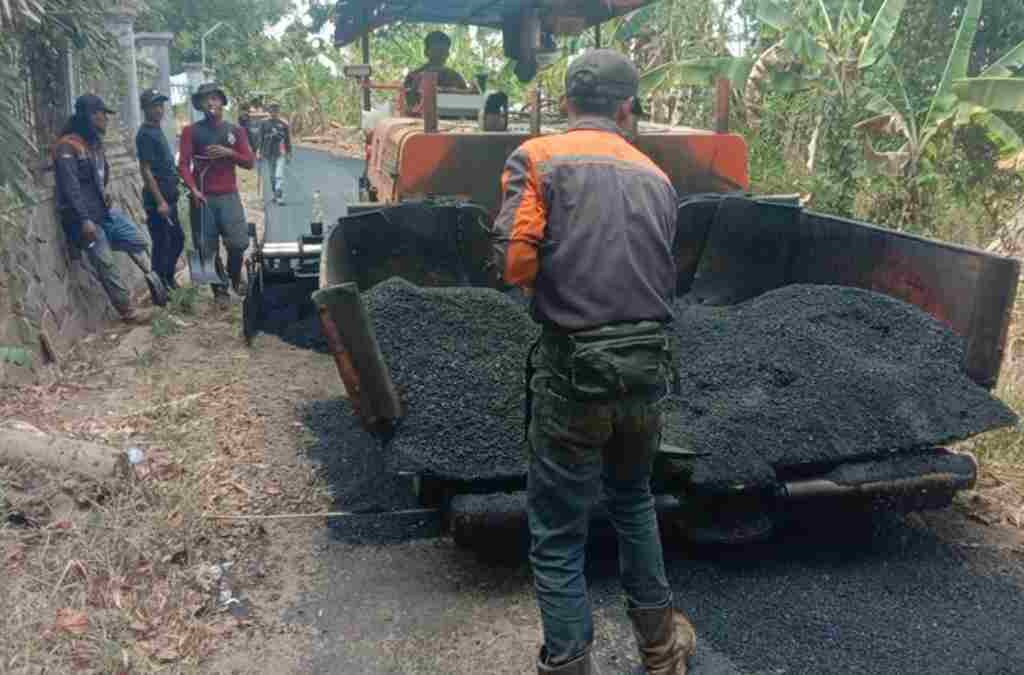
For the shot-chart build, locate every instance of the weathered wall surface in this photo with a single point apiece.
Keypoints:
(49, 298)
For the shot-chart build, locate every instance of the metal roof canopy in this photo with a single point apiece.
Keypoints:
(353, 18)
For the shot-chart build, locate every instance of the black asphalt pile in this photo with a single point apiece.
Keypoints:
(364, 480)
(811, 375)
(290, 313)
(456, 356)
(799, 378)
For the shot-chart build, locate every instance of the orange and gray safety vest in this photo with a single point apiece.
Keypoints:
(588, 223)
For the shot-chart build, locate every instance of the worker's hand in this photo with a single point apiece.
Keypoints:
(198, 197)
(164, 209)
(108, 199)
(220, 152)
(90, 232)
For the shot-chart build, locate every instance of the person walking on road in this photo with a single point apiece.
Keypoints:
(210, 151)
(250, 124)
(275, 140)
(84, 206)
(159, 188)
(586, 228)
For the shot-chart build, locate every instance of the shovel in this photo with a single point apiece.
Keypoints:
(202, 270)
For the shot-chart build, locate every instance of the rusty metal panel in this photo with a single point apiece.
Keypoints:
(469, 165)
(751, 247)
(427, 243)
(698, 162)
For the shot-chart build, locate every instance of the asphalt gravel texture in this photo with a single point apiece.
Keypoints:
(364, 479)
(812, 375)
(844, 595)
(456, 356)
(794, 380)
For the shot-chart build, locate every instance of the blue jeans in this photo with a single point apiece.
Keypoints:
(117, 233)
(578, 448)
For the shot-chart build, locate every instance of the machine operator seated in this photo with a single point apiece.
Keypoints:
(437, 47)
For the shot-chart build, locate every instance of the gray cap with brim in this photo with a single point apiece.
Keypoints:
(602, 75)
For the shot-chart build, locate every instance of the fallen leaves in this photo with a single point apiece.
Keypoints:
(158, 464)
(14, 557)
(71, 621)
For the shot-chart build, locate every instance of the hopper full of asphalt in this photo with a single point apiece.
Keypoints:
(798, 379)
(456, 356)
(813, 375)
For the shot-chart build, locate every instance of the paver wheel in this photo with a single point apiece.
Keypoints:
(252, 306)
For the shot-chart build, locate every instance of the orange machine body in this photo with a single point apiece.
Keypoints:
(407, 163)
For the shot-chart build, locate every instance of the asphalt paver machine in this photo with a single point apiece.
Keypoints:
(436, 182)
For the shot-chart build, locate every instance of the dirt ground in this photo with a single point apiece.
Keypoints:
(186, 566)
(219, 428)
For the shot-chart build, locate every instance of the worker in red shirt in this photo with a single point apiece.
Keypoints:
(210, 150)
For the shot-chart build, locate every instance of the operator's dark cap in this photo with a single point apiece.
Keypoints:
(89, 104)
(205, 89)
(602, 75)
(152, 97)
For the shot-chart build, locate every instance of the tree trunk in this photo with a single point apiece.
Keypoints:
(20, 442)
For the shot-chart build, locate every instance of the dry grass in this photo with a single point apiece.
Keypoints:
(129, 576)
(110, 578)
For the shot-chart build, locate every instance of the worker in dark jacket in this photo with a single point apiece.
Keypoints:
(586, 228)
(210, 150)
(159, 187)
(437, 46)
(275, 148)
(82, 173)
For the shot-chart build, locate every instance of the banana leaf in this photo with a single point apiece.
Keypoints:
(944, 102)
(883, 28)
(789, 83)
(1006, 139)
(992, 93)
(635, 23)
(1005, 67)
(15, 11)
(774, 14)
(697, 72)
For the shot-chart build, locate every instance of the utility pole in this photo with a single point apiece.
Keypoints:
(202, 44)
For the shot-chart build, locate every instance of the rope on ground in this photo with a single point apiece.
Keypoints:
(323, 514)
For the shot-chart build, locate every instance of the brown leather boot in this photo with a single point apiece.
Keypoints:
(581, 665)
(666, 639)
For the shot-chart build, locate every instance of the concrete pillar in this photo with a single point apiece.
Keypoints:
(120, 22)
(157, 46)
(196, 76)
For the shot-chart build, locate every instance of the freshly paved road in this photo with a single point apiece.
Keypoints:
(883, 594)
(311, 170)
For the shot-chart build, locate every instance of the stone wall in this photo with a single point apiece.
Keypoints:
(49, 298)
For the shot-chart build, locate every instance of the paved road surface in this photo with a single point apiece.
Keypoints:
(311, 170)
(863, 595)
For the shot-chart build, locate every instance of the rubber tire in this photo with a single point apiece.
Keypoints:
(252, 306)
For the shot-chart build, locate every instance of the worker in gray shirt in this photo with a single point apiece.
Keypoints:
(159, 188)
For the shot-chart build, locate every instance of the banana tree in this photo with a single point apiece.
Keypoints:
(999, 87)
(825, 46)
(918, 132)
(824, 49)
(679, 46)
